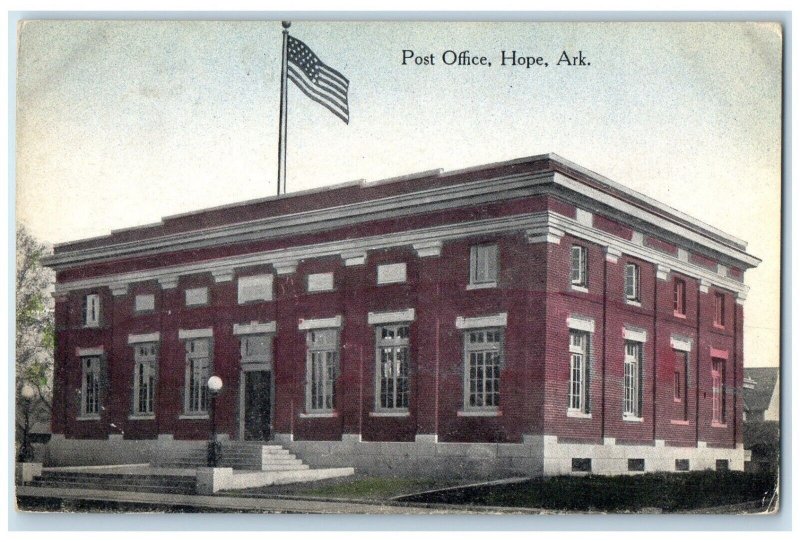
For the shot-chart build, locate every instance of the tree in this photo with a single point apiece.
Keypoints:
(35, 328)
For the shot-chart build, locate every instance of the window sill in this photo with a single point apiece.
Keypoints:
(193, 417)
(481, 286)
(319, 414)
(579, 414)
(582, 289)
(633, 419)
(676, 400)
(93, 326)
(479, 413)
(134, 417)
(88, 418)
(679, 422)
(390, 414)
(719, 425)
(390, 282)
(679, 314)
(633, 303)
(719, 326)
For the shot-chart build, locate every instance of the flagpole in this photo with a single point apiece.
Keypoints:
(283, 112)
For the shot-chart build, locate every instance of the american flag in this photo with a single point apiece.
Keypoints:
(318, 81)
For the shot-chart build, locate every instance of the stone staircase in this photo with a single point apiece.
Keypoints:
(253, 464)
(260, 457)
(246, 456)
(114, 481)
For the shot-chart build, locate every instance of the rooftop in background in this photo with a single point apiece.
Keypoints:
(759, 396)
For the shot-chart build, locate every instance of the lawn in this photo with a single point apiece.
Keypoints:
(358, 487)
(668, 492)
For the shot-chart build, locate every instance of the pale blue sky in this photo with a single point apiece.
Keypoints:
(121, 123)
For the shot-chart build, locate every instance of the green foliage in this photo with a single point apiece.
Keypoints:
(372, 488)
(670, 492)
(35, 328)
(763, 439)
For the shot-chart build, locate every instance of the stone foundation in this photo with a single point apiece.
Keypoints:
(612, 458)
(537, 455)
(423, 457)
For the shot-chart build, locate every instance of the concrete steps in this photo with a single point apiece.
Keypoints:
(249, 456)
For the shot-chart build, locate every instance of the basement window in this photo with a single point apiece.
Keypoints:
(636, 465)
(722, 464)
(682, 465)
(581, 464)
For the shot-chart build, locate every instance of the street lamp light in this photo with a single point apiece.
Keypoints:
(28, 393)
(214, 389)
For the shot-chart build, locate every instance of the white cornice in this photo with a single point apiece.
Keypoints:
(434, 199)
(665, 262)
(595, 199)
(538, 227)
(354, 249)
(483, 192)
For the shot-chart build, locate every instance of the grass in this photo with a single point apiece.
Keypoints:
(669, 492)
(374, 488)
(358, 487)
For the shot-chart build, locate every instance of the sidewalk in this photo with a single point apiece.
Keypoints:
(273, 504)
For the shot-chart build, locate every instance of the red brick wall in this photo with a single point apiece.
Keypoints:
(533, 289)
(657, 317)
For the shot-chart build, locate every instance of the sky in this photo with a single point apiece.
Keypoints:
(122, 123)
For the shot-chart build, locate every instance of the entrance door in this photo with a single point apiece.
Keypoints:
(257, 405)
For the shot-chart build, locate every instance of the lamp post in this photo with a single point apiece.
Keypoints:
(214, 389)
(27, 392)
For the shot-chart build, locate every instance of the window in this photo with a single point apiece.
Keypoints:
(718, 391)
(90, 386)
(144, 302)
(322, 365)
(632, 407)
(679, 297)
(722, 464)
(196, 296)
(578, 270)
(483, 264)
(681, 465)
(681, 382)
(581, 464)
(579, 371)
(391, 273)
(255, 288)
(144, 378)
(256, 348)
(632, 282)
(392, 371)
(719, 309)
(320, 282)
(636, 465)
(198, 369)
(483, 357)
(91, 310)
